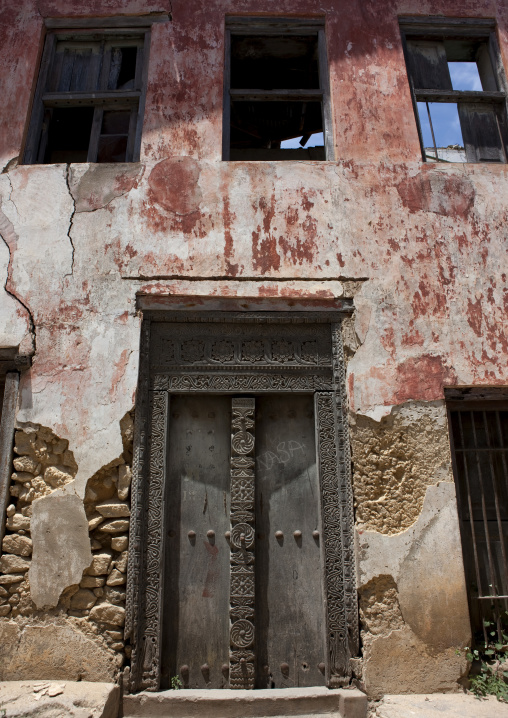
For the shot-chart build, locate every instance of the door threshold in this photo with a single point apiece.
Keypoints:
(262, 703)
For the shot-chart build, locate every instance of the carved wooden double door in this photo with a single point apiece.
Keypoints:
(241, 562)
(244, 598)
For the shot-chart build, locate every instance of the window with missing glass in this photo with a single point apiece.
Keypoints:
(458, 87)
(276, 90)
(89, 101)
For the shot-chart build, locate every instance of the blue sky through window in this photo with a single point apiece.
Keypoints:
(445, 115)
(445, 120)
(465, 76)
(316, 140)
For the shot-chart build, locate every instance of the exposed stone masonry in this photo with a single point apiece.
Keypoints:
(42, 464)
(96, 606)
(395, 461)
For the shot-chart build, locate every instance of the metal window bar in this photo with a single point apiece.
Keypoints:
(490, 600)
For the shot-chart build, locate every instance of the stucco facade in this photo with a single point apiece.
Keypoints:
(419, 248)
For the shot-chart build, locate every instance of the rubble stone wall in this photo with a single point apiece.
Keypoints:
(95, 606)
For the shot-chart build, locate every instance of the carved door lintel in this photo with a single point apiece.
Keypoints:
(289, 370)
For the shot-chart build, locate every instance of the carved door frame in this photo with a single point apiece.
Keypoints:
(321, 374)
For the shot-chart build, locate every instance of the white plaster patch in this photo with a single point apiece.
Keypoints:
(61, 546)
(378, 412)
(384, 554)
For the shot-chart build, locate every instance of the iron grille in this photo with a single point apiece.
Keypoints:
(480, 456)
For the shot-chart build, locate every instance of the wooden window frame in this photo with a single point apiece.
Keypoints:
(278, 26)
(109, 33)
(477, 29)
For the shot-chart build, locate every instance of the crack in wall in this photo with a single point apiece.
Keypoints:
(7, 228)
(68, 169)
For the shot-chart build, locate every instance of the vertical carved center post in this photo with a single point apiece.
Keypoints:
(241, 660)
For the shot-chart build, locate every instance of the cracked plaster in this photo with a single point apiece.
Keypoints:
(431, 310)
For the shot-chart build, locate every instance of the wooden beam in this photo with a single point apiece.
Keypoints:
(9, 407)
(441, 23)
(458, 96)
(83, 23)
(59, 99)
(276, 95)
(259, 25)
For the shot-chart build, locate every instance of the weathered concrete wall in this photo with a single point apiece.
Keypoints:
(421, 247)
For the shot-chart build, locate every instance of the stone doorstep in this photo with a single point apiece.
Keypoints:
(277, 703)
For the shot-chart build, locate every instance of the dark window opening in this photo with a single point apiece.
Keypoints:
(275, 62)
(122, 75)
(276, 96)
(458, 92)
(479, 438)
(265, 130)
(114, 136)
(89, 98)
(69, 134)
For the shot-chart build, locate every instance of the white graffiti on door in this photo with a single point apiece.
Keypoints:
(284, 452)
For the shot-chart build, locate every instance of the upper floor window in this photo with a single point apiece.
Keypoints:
(88, 105)
(276, 90)
(459, 89)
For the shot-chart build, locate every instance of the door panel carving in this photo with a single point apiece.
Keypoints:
(303, 628)
(242, 544)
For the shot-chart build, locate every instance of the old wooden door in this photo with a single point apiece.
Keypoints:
(243, 597)
(290, 620)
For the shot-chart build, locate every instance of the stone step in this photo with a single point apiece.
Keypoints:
(275, 703)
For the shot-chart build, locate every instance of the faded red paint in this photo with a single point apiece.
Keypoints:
(229, 218)
(264, 253)
(425, 238)
(448, 196)
(422, 377)
(174, 184)
(475, 315)
(119, 371)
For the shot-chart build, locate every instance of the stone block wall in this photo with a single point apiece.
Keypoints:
(95, 607)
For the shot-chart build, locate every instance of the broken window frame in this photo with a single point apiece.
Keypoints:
(257, 26)
(481, 30)
(117, 30)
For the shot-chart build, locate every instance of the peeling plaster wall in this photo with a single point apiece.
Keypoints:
(422, 248)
